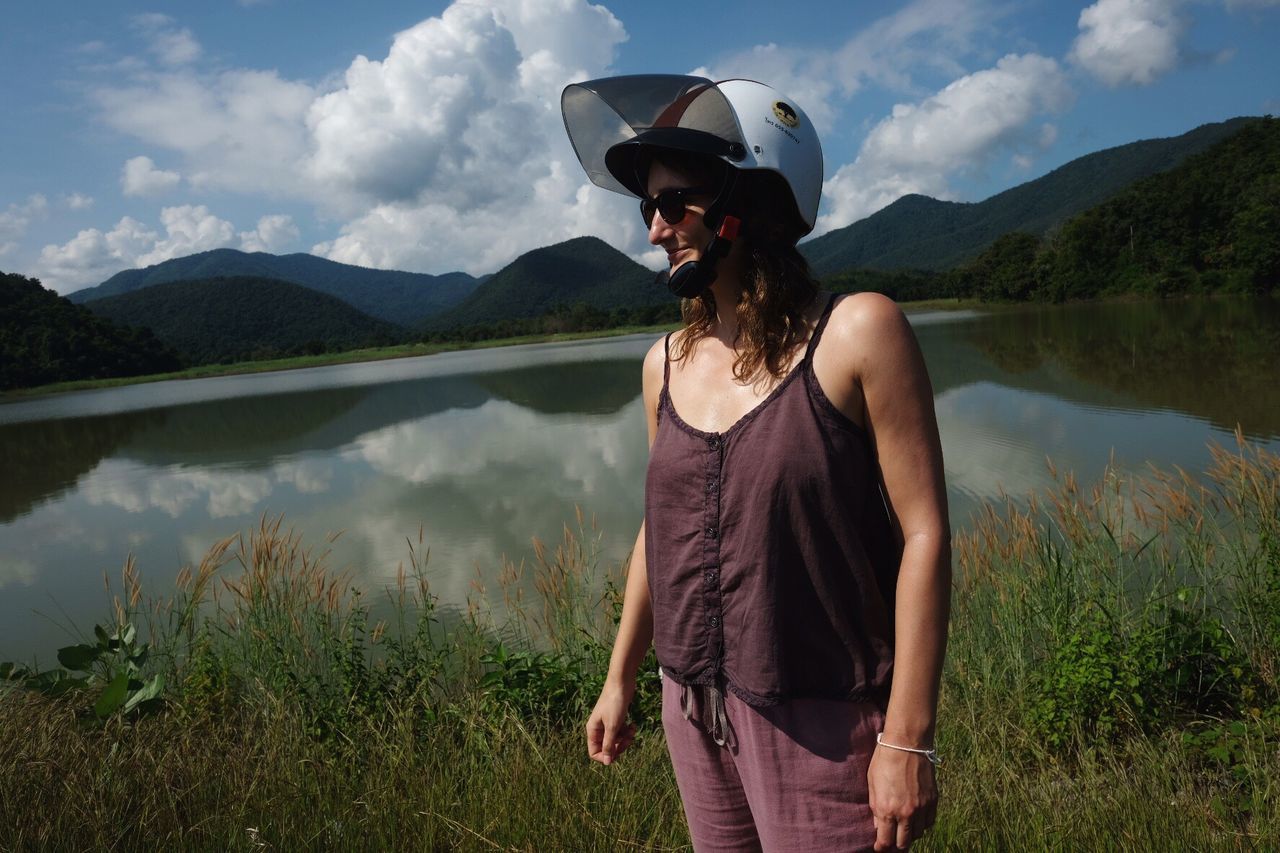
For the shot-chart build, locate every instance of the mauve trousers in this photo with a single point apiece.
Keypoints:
(792, 777)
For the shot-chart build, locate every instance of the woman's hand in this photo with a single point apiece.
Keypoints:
(608, 732)
(904, 797)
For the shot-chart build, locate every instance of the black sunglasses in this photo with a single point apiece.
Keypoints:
(670, 204)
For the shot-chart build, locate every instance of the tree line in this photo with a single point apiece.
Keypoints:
(44, 338)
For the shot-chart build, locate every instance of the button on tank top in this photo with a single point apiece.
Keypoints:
(770, 555)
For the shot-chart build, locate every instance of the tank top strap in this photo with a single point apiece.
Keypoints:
(666, 360)
(817, 330)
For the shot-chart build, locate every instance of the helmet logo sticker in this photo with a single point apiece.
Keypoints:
(786, 114)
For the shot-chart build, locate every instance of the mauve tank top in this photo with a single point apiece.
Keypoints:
(771, 560)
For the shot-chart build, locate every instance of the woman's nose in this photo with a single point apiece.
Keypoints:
(659, 230)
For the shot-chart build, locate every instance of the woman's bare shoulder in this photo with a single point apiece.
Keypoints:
(652, 376)
(865, 326)
(864, 309)
(652, 370)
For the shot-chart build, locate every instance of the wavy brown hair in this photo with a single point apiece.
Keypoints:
(778, 286)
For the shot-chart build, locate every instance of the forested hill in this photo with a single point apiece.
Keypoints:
(405, 298)
(1211, 224)
(231, 319)
(584, 270)
(45, 338)
(918, 232)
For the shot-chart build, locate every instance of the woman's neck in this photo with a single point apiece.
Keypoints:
(727, 290)
(726, 297)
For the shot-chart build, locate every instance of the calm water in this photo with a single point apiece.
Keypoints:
(487, 449)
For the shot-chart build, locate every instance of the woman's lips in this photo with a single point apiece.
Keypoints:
(672, 257)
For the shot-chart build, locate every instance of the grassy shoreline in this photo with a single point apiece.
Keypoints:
(1111, 682)
(385, 353)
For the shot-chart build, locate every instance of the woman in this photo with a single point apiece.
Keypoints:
(793, 567)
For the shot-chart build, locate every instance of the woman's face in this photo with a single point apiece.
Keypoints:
(685, 240)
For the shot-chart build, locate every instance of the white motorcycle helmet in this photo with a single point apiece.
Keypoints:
(746, 125)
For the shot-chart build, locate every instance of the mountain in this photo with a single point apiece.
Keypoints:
(230, 319)
(1212, 224)
(405, 298)
(583, 270)
(45, 338)
(585, 276)
(924, 233)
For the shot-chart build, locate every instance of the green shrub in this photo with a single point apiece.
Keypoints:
(1162, 666)
(109, 672)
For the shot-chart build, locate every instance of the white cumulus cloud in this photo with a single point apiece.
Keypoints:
(400, 125)
(455, 140)
(79, 201)
(140, 176)
(188, 229)
(925, 35)
(436, 237)
(239, 130)
(93, 255)
(447, 153)
(15, 219)
(1129, 41)
(920, 146)
(274, 233)
(171, 44)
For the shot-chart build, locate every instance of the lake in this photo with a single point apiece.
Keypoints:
(485, 449)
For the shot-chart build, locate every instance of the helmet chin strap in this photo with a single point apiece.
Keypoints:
(692, 277)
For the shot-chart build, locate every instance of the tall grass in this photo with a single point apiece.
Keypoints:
(1111, 679)
(1111, 682)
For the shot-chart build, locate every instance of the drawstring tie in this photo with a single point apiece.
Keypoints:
(714, 718)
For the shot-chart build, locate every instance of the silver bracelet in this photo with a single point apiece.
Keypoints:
(931, 754)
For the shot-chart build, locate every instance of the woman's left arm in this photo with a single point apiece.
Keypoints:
(877, 343)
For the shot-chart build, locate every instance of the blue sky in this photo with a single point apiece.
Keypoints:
(426, 136)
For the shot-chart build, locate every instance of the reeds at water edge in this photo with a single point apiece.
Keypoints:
(1111, 681)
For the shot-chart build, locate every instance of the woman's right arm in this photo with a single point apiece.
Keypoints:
(608, 732)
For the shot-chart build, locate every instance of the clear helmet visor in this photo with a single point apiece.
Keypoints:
(670, 110)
